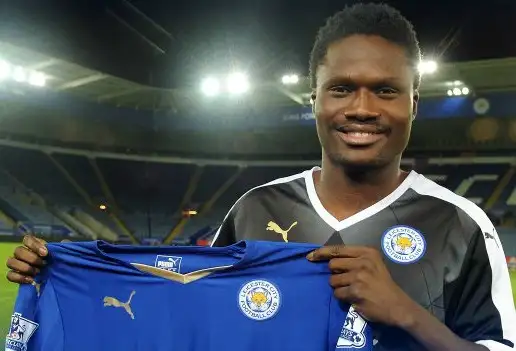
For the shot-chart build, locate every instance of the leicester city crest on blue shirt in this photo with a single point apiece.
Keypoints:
(20, 332)
(259, 299)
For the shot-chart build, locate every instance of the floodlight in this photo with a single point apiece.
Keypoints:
(37, 79)
(290, 79)
(210, 86)
(427, 67)
(19, 74)
(5, 69)
(237, 83)
(458, 91)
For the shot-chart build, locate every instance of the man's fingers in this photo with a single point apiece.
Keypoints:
(340, 265)
(43, 241)
(351, 294)
(325, 253)
(344, 294)
(329, 252)
(35, 245)
(341, 280)
(21, 267)
(18, 278)
(25, 255)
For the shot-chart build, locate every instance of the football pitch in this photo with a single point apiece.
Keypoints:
(8, 290)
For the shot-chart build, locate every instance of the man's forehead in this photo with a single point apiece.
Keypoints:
(360, 47)
(366, 55)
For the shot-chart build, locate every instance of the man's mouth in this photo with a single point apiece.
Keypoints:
(360, 136)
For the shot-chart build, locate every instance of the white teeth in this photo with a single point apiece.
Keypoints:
(360, 134)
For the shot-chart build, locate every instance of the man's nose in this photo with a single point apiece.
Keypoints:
(362, 105)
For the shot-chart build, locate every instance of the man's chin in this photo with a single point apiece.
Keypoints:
(358, 160)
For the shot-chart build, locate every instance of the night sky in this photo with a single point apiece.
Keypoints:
(182, 40)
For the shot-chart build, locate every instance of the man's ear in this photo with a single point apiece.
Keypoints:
(312, 101)
(415, 101)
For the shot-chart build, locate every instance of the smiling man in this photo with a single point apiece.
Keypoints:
(416, 260)
(423, 265)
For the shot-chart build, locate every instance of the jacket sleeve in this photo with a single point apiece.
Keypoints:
(482, 310)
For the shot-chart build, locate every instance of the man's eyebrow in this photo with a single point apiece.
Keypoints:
(373, 82)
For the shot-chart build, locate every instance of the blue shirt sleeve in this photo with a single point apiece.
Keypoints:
(347, 329)
(36, 321)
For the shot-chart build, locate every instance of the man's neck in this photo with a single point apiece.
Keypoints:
(344, 193)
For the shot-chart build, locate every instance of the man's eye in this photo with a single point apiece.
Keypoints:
(386, 91)
(341, 89)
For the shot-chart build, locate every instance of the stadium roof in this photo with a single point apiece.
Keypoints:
(479, 76)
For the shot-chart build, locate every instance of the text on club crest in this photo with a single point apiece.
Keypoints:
(259, 300)
(403, 244)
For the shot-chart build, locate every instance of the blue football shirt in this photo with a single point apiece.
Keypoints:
(247, 296)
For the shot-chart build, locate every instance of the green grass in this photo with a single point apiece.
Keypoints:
(8, 290)
(513, 283)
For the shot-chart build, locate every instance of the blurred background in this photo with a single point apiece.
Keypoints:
(142, 122)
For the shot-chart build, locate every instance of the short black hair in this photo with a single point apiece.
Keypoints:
(367, 19)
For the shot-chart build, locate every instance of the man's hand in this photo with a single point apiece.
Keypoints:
(27, 260)
(361, 278)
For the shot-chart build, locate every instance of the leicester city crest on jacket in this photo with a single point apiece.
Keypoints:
(20, 332)
(403, 244)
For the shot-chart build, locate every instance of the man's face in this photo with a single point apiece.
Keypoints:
(364, 101)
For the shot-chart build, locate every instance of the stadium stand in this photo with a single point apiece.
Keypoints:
(183, 203)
